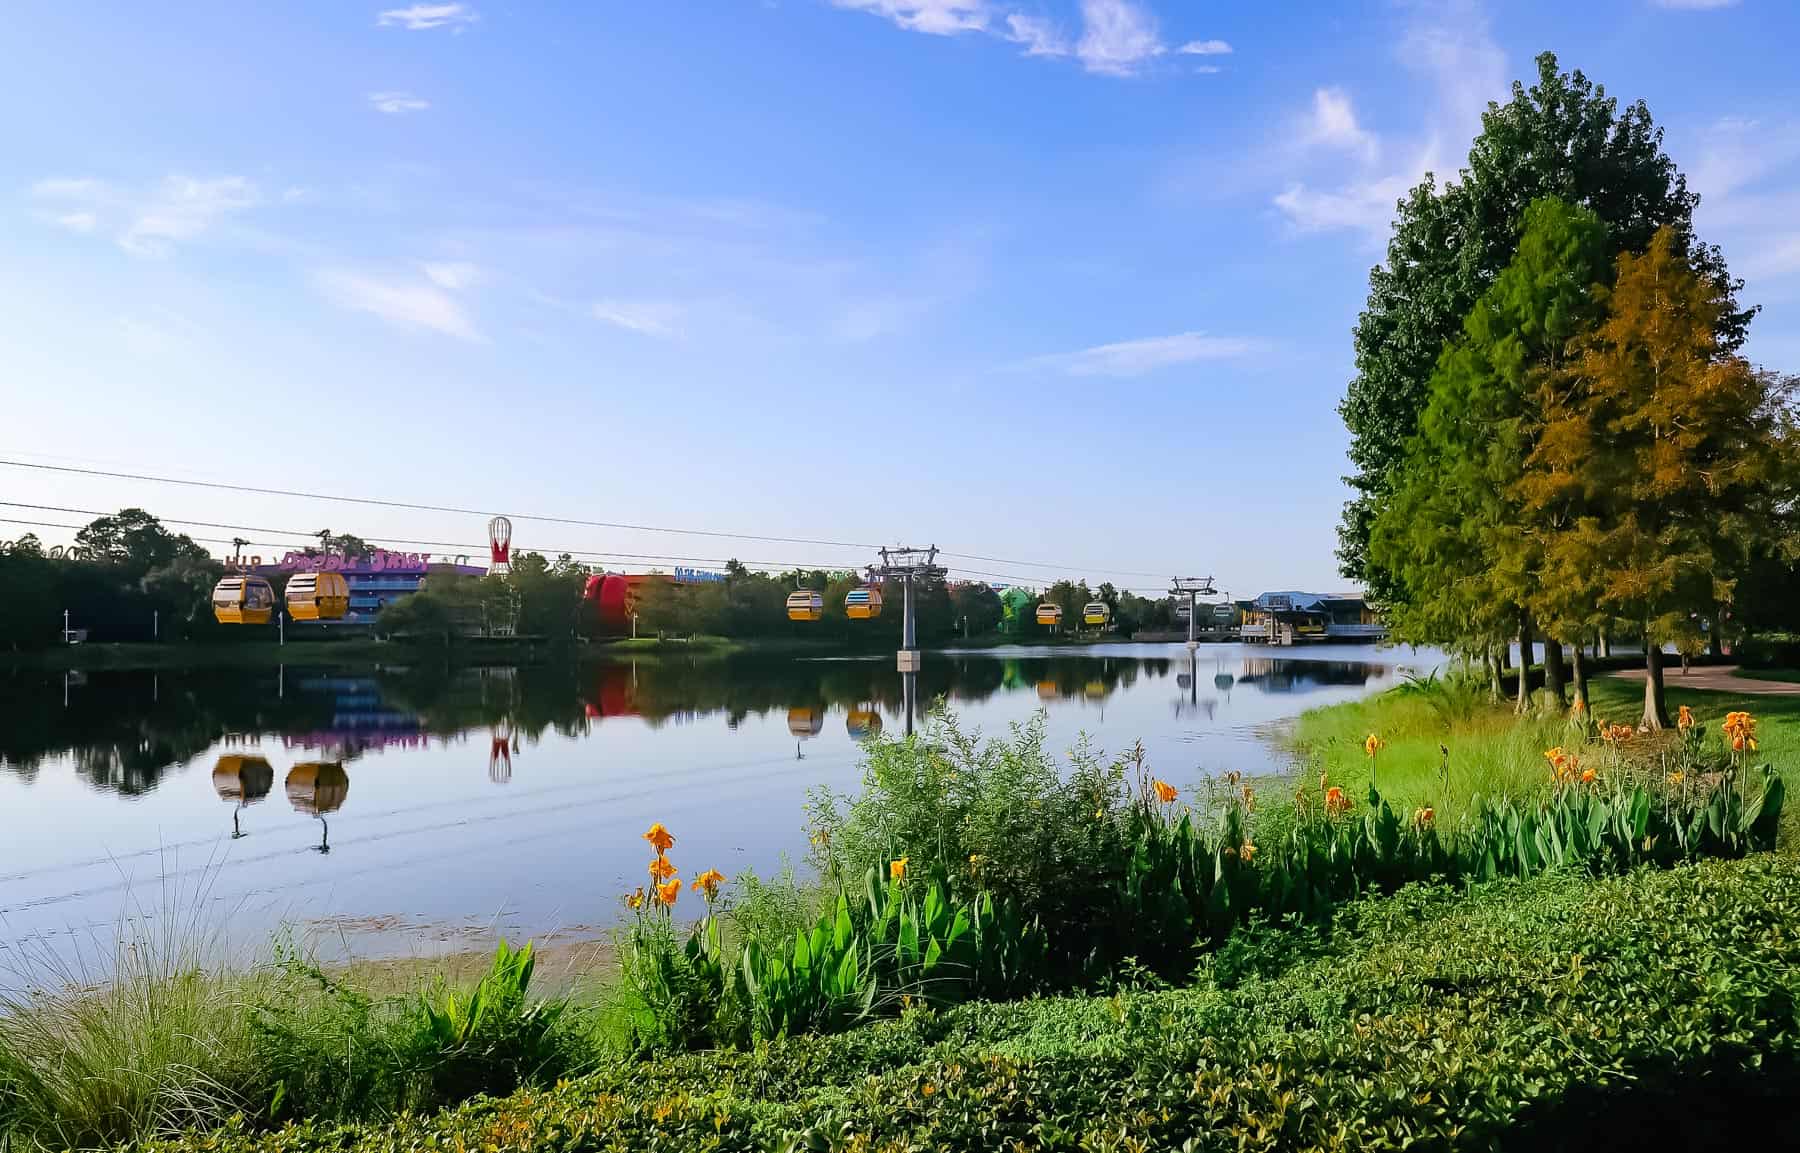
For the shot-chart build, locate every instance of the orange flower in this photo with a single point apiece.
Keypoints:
(1247, 852)
(659, 838)
(1374, 744)
(636, 899)
(897, 869)
(1617, 734)
(708, 883)
(1684, 719)
(1587, 776)
(1677, 778)
(1740, 727)
(668, 891)
(1579, 707)
(1165, 792)
(660, 868)
(1424, 816)
(1335, 801)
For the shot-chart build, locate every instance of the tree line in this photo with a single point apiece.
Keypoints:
(1553, 431)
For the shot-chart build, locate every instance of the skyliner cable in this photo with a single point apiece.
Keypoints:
(225, 486)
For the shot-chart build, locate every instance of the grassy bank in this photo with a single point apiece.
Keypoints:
(1656, 1007)
(1447, 748)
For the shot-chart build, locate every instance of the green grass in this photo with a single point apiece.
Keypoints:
(1491, 752)
(1651, 1010)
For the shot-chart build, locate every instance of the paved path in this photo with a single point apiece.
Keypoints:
(1717, 679)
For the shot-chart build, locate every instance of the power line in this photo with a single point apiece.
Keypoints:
(380, 503)
(1062, 569)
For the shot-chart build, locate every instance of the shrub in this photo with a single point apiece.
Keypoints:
(1428, 1019)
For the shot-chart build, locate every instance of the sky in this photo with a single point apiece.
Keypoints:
(1064, 284)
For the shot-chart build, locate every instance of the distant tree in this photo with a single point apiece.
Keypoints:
(979, 604)
(1563, 137)
(134, 542)
(182, 591)
(343, 544)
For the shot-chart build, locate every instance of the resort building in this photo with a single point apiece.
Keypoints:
(374, 579)
(1288, 618)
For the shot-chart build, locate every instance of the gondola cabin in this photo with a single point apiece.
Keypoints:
(243, 600)
(863, 723)
(862, 604)
(317, 787)
(1049, 615)
(318, 596)
(805, 605)
(1097, 613)
(806, 723)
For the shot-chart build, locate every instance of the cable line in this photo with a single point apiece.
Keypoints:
(452, 509)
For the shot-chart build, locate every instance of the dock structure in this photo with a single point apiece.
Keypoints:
(1291, 618)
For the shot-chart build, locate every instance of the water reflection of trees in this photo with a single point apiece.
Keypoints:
(125, 729)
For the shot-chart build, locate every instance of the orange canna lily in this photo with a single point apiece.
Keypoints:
(897, 869)
(1424, 816)
(660, 868)
(668, 891)
(1374, 744)
(1684, 719)
(708, 883)
(1588, 776)
(1335, 801)
(1247, 852)
(1165, 792)
(636, 898)
(659, 838)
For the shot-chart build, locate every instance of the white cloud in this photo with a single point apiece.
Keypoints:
(1117, 36)
(395, 103)
(452, 274)
(1139, 357)
(1207, 69)
(1332, 124)
(1448, 44)
(658, 318)
(148, 222)
(937, 17)
(403, 300)
(1737, 152)
(1039, 35)
(1205, 48)
(423, 17)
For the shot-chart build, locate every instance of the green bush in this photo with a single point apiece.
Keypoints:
(1428, 1019)
(1774, 651)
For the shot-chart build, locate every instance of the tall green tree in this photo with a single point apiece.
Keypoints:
(134, 542)
(1452, 534)
(1562, 137)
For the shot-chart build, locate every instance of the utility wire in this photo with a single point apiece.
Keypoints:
(577, 521)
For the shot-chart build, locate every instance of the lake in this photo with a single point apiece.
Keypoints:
(414, 810)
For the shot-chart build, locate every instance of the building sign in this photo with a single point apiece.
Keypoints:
(379, 561)
(694, 576)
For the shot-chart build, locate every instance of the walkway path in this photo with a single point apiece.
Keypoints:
(1717, 679)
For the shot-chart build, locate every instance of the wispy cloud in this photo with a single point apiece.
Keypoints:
(1117, 37)
(145, 222)
(423, 17)
(658, 318)
(405, 300)
(937, 17)
(397, 103)
(1039, 36)
(1127, 358)
(1448, 43)
(455, 275)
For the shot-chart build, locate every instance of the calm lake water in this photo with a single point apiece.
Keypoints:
(455, 804)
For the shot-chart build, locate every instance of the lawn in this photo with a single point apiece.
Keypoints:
(1790, 676)
(1447, 748)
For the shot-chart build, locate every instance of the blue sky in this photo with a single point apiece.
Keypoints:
(1067, 281)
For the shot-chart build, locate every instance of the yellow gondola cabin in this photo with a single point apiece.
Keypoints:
(862, 604)
(318, 596)
(1096, 613)
(1049, 614)
(243, 600)
(805, 605)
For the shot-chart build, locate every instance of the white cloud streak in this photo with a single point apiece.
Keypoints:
(403, 300)
(1128, 358)
(148, 222)
(658, 318)
(1117, 37)
(452, 274)
(936, 17)
(397, 103)
(424, 17)
(1449, 45)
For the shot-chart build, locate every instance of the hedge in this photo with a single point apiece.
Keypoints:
(1427, 1017)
